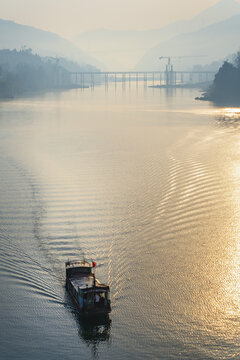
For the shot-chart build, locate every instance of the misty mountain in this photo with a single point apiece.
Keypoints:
(214, 41)
(16, 36)
(123, 49)
(223, 10)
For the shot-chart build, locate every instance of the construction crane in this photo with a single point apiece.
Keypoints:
(170, 75)
(169, 66)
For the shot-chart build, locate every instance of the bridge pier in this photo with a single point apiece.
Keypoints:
(106, 79)
(92, 80)
(129, 79)
(123, 80)
(82, 80)
(145, 79)
(191, 78)
(166, 79)
(182, 77)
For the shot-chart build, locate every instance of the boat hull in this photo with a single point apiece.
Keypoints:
(87, 312)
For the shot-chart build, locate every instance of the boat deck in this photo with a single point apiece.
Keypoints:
(86, 282)
(82, 282)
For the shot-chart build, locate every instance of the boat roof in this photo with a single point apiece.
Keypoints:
(77, 263)
(87, 282)
(83, 282)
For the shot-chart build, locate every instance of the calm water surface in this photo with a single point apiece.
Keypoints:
(147, 184)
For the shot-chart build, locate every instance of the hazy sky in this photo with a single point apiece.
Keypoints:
(70, 17)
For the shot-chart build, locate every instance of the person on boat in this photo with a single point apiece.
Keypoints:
(97, 299)
(101, 301)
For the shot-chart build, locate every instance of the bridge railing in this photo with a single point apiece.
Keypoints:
(147, 78)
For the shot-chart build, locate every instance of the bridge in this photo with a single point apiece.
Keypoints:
(147, 78)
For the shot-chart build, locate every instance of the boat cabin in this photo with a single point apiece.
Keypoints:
(87, 291)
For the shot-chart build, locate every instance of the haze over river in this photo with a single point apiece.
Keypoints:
(145, 182)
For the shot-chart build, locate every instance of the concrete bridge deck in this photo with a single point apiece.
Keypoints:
(148, 78)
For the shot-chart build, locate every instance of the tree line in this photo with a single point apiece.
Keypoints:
(22, 71)
(225, 88)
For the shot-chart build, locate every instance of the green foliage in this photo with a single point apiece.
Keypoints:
(237, 60)
(226, 85)
(22, 71)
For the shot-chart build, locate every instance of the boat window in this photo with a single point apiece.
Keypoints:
(88, 299)
(100, 299)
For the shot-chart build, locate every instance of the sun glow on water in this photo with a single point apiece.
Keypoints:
(232, 276)
(232, 112)
(229, 117)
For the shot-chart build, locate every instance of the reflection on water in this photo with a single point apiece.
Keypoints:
(229, 117)
(147, 185)
(94, 331)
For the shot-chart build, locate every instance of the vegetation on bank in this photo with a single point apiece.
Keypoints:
(21, 72)
(225, 89)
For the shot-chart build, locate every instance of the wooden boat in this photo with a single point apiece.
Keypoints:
(91, 296)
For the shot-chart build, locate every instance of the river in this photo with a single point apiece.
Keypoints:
(145, 182)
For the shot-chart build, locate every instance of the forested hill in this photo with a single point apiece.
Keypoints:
(22, 71)
(225, 89)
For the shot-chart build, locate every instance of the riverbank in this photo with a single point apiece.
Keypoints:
(28, 93)
(225, 89)
(203, 86)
